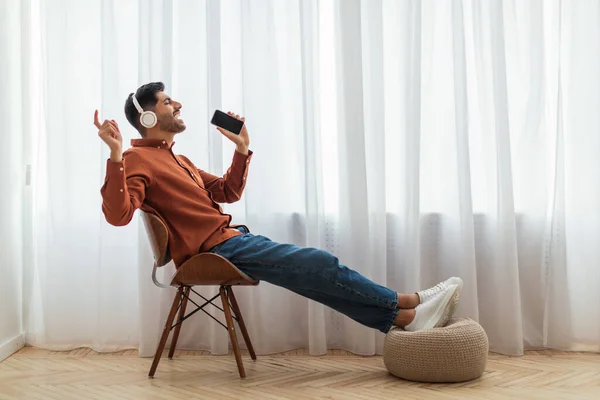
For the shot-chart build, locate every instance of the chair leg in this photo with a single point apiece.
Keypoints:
(166, 330)
(184, 301)
(238, 314)
(231, 329)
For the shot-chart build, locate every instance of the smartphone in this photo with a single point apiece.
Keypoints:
(227, 122)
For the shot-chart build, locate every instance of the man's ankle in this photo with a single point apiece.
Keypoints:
(405, 317)
(408, 301)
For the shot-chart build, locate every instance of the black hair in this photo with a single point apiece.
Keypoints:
(146, 96)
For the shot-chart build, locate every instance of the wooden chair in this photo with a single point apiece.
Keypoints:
(200, 270)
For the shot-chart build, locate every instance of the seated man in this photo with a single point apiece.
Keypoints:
(152, 177)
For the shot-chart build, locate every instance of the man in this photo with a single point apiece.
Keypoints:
(152, 177)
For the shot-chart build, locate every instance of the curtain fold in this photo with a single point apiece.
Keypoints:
(415, 140)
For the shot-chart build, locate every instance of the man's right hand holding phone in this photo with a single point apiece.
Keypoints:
(111, 135)
(241, 139)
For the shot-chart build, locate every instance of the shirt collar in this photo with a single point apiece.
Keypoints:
(156, 143)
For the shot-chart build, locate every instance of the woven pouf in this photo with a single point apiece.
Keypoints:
(454, 353)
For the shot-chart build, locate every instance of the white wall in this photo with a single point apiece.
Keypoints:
(11, 181)
(11, 327)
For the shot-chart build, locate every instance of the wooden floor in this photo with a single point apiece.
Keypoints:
(83, 374)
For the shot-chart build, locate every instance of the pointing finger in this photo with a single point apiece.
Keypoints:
(96, 122)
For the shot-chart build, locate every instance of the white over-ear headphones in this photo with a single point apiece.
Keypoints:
(147, 118)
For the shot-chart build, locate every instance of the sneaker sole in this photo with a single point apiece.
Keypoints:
(450, 309)
(442, 315)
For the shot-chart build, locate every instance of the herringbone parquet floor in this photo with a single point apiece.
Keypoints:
(83, 374)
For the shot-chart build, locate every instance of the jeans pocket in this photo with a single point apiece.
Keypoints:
(242, 229)
(217, 248)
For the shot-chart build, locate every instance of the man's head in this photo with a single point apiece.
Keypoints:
(152, 97)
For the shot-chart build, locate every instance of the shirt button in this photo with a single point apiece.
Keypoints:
(121, 190)
(121, 169)
(158, 147)
(164, 142)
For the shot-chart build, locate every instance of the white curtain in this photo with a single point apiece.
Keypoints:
(414, 139)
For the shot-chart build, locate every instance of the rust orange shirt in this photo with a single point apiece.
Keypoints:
(153, 178)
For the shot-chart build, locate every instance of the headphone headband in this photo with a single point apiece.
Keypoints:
(136, 103)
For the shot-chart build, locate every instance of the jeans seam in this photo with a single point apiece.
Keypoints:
(395, 303)
(391, 324)
(379, 300)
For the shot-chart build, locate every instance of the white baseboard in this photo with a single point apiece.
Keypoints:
(13, 345)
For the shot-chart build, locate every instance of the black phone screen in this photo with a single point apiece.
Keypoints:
(226, 122)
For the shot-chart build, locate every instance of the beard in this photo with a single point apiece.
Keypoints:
(169, 123)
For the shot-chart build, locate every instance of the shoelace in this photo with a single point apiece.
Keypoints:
(431, 291)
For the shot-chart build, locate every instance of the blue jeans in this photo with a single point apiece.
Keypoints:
(315, 274)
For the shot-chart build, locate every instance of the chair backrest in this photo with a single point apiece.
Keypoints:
(159, 237)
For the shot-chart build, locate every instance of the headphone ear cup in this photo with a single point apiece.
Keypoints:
(148, 119)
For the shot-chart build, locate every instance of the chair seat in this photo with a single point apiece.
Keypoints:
(209, 269)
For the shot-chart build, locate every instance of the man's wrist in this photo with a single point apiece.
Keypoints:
(242, 149)
(116, 155)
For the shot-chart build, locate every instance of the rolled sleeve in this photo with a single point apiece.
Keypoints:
(116, 179)
(239, 168)
(124, 189)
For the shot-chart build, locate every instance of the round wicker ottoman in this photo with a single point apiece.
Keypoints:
(454, 353)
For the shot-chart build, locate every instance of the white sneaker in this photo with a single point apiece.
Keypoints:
(436, 310)
(427, 294)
